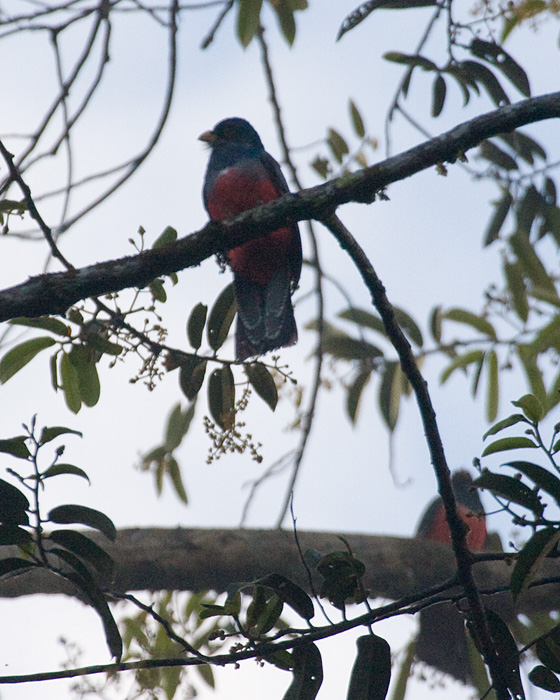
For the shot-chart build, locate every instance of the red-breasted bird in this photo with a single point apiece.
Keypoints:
(240, 176)
(441, 640)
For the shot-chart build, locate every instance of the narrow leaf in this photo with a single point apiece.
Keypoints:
(529, 558)
(263, 383)
(195, 325)
(468, 318)
(19, 356)
(512, 490)
(49, 434)
(70, 383)
(85, 516)
(371, 672)
(221, 317)
(509, 443)
(83, 547)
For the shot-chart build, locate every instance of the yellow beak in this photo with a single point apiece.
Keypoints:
(208, 137)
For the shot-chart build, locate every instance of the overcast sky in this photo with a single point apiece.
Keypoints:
(425, 244)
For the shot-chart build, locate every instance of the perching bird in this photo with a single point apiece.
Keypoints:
(441, 640)
(242, 175)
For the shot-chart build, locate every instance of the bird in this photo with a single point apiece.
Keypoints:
(241, 175)
(441, 640)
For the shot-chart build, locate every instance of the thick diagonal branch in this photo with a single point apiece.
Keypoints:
(55, 293)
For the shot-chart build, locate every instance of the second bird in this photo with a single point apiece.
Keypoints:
(241, 175)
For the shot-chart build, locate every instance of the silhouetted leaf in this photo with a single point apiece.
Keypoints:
(307, 673)
(178, 424)
(517, 289)
(489, 151)
(49, 434)
(529, 558)
(44, 323)
(510, 489)
(439, 91)
(357, 121)
(263, 383)
(11, 564)
(13, 505)
(172, 468)
(371, 672)
(221, 397)
(221, 317)
(337, 144)
(390, 391)
(507, 652)
(19, 356)
(12, 534)
(359, 14)
(542, 478)
(484, 76)
(16, 447)
(58, 469)
(504, 423)
(543, 678)
(85, 516)
(86, 549)
(191, 376)
(354, 393)
(195, 325)
(496, 55)
(414, 61)
(548, 650)
(290, 593)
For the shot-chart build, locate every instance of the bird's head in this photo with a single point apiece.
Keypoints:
(231, 131)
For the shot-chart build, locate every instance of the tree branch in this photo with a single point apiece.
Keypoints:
(54, 293)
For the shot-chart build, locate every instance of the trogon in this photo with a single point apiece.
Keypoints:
(240, 176)
(441, 640)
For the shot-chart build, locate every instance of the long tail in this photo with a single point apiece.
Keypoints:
(265, 318)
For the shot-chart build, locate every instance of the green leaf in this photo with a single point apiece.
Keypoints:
(195, 325)
(509, 443)
(534, 375)
(358, 15)
(493, 396)
(221, 397)
(169, 235)
(531, 263)
(307, 673)
(221, 317)
(531, 407)
(158, 291)
(517, 289)
(172, 468)
(364, 319)
(337, 144)
(501, 210)
(435, 323)
(70, 383)
(19, 356)
(468, 318)
(49, 434)
(177, 427)
(512, 490)
(290, 593)
(439, 91)
(343, 347)
(354, 393)
(414, 61)
(44, 323)
(13, 505)
(207, 674)
(390, 391)
(85, 549)
(507, 652)
(371, 672)
(16, 447)
(286, 20)
(548, 337)
(11, 564)
(461, 362)
(88, 379)
(270, 615)
(85, 516)
(248, 19)
(12, 534)
(191, 376)
(543, 678)
(541, 477)
(58, 469)
(357, 121)
(263, 383)
(504, 423)
(530, 557)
